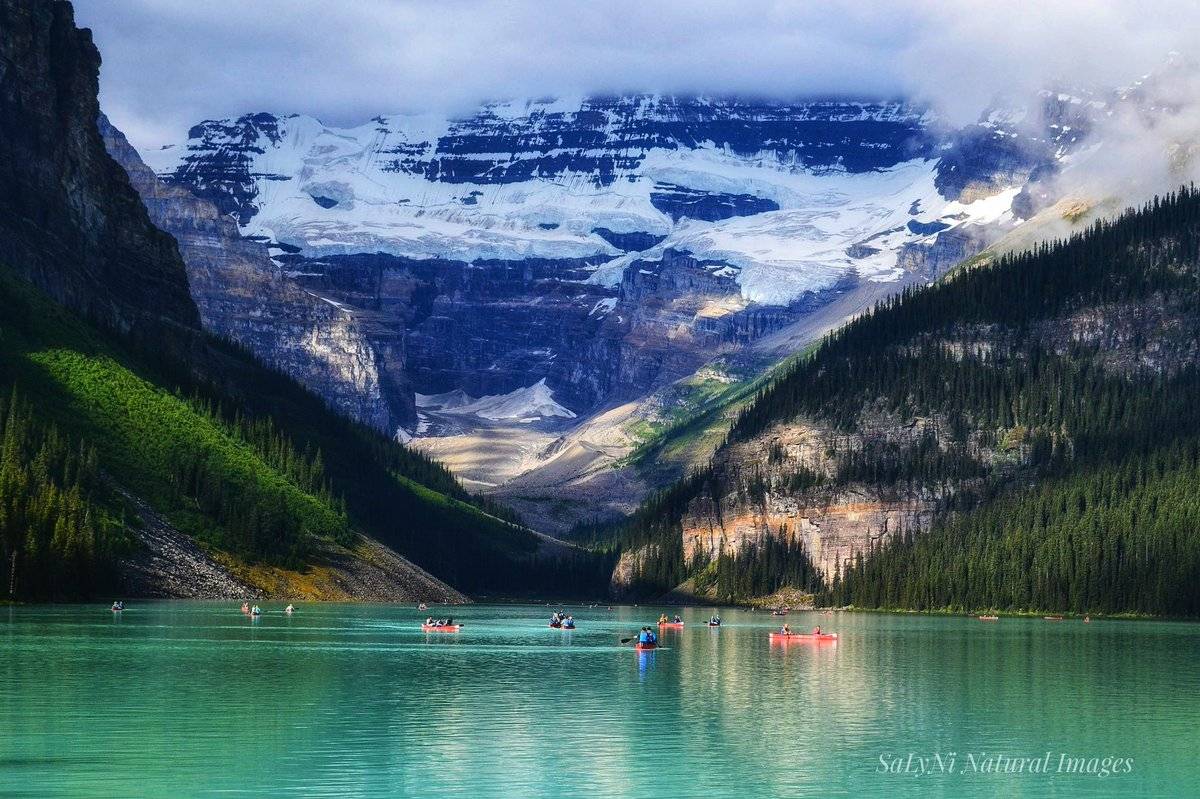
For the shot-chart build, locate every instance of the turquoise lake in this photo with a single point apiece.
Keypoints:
(195, 699)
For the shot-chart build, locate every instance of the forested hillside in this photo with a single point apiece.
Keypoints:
(115, 399)
(1034, 417)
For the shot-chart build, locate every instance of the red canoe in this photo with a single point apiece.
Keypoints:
(670, 624)
(645, 647)
(445, 628)
(803, 637)
(989, 618)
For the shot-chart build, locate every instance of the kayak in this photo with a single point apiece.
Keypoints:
(645, 647)
(803, 637)
(445, 628)
(670, 624)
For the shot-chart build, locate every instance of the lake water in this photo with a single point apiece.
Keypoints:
(195, 699)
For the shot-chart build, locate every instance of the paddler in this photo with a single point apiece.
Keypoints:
(663, 619)
(785, 630)
(817, 630)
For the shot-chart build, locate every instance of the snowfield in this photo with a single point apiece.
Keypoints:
(335, 191)
(524, 404)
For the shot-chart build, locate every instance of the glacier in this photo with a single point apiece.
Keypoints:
(827, 188)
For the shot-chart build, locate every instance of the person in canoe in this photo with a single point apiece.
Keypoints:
(646, 636)
(785, 630)
(422, 606)
(663, 619)
(289, 610)
(246, 608)
(568, 623)
(118, 605)
(555, 620)
(677, 620)
(256, 611)
(714, 620)
(816, 630)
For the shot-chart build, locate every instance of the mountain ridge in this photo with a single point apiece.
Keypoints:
(906, 461)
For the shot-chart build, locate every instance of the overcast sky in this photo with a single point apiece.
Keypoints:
(171, 63)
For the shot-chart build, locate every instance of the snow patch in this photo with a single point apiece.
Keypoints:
(524, 404)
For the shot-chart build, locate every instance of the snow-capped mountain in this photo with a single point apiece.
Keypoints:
(790, 198)
(591, 250)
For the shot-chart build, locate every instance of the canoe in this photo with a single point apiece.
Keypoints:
(556, 626)
(670, 624)
(645, 647)
(718, 624)
(1053, 618)
(445, 628)
(776, 636)
(568, 627)
(989, 618)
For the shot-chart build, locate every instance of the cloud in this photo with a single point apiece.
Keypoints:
(171, 63)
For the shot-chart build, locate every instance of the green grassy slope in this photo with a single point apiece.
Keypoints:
(242, 458)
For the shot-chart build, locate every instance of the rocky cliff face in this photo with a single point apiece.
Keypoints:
(354, 359)
(69, 220)
(607, 246)
(765, 498)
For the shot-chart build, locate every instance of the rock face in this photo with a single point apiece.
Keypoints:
(69, 220)
(755, 494)
(354, 359)
(608, 245)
